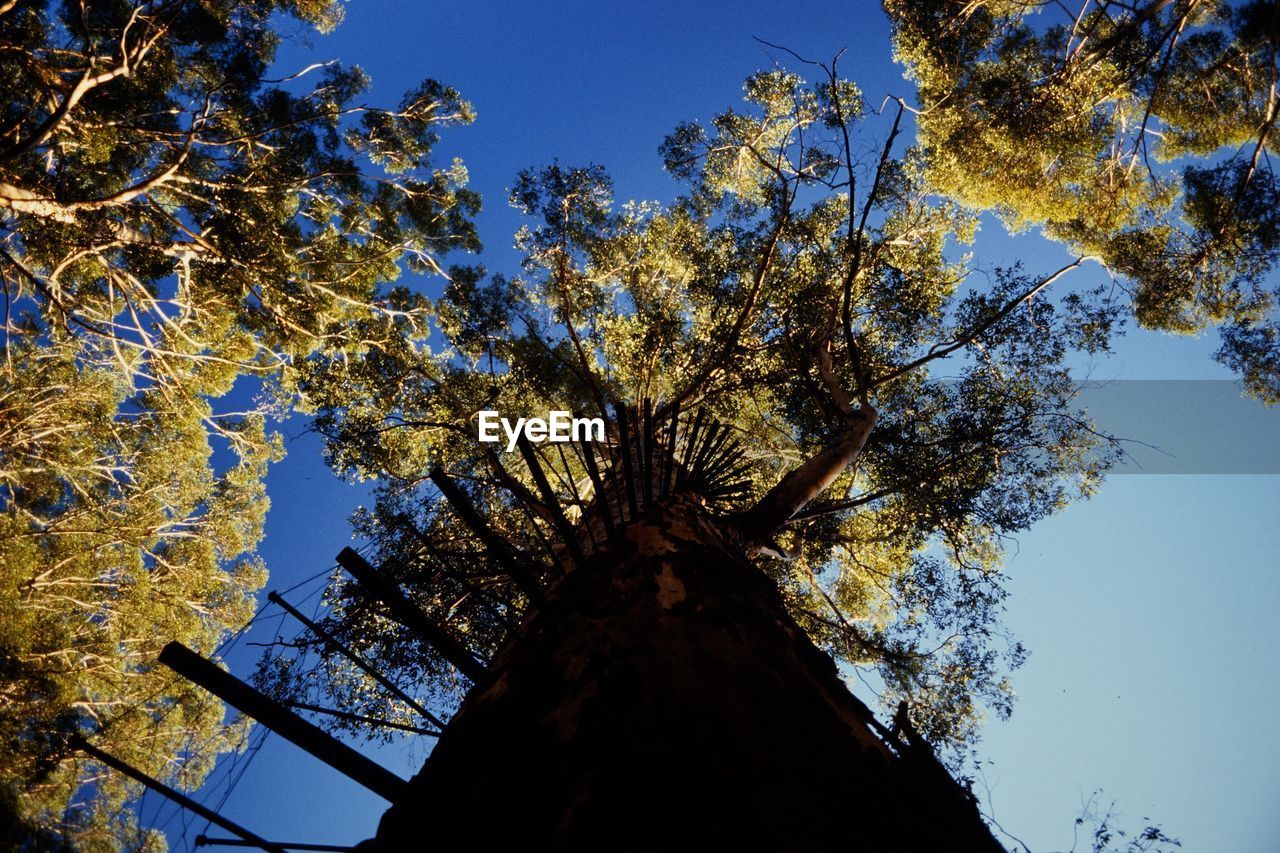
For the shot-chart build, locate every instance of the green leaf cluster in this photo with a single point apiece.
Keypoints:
(1140, 133)
(794, 278)
(179, 235)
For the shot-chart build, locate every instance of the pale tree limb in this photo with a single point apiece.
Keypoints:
(801, 486)
(129, 59)
(24, 201)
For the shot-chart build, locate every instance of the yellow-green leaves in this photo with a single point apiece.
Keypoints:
(797, 273)
(175, 233)
(1138, 134)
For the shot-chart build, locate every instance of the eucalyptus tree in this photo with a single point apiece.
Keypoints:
(807, 299)
(179, 233)
(1139, 132)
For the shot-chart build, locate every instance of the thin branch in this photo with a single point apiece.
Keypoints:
(940, 350)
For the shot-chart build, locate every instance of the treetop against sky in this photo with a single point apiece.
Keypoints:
(184, 221)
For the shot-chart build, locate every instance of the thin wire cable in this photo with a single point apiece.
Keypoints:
(228, 644)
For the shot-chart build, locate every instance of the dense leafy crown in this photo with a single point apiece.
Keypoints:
(1138, 132)
(790, 285)
(177, 229)
(171, 222)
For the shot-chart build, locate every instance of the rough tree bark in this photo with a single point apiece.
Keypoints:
(663, 698)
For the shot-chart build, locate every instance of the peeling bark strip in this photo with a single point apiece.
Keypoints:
(661, 696)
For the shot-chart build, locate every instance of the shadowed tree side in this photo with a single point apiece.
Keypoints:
(661, 697)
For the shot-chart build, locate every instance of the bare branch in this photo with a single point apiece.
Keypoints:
(942, 350)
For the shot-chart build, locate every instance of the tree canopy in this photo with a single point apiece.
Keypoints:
(792, 286)
(174, 225)
(1137, 132)
(189, 247)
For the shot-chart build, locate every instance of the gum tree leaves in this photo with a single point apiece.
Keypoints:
(1140, 133)
(178, 234)
(796, 276)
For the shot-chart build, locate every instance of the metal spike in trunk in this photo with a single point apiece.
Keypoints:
(283, 722)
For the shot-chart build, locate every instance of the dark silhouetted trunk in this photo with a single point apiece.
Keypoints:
(663, 698)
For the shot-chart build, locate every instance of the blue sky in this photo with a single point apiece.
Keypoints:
(1150, 610)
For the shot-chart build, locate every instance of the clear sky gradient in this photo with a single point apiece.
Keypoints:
(1150, 611)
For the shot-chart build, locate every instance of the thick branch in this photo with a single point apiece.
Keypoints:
(24, 201)
(129, 59)
(801, 486)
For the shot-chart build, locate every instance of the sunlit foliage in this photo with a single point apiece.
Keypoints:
(174, 227)
(794, 279)
(1141, 133)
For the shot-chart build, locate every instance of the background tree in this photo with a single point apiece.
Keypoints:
(176, 229)
(1137, 132)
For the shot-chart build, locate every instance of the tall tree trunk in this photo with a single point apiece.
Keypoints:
(663, 698)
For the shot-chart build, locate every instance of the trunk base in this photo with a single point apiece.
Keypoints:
(665, 699)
